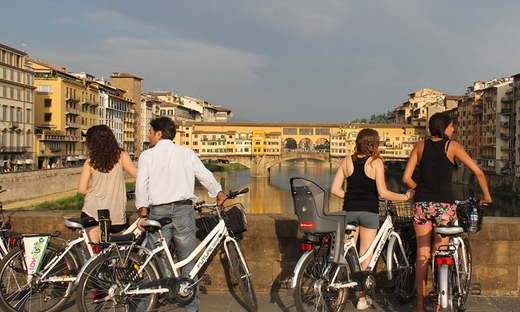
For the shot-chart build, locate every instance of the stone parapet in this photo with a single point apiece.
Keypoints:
(271, 248)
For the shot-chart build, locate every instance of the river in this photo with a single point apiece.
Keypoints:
(272, 194)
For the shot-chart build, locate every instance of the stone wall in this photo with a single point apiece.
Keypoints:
(33, 184)
(271, 248)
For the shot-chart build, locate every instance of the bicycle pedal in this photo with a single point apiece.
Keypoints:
(475, 289)
(432, 296)
(343, 285)
(203, 289)
(206, 279)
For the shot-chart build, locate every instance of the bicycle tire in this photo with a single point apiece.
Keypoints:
(17, 295)
(445, 291)
(311, 291)
(242, 278)
(464, 271)
(404, 278)
(100, 286)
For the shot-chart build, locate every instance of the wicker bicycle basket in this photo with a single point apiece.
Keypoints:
(403, 210)
(234, 216)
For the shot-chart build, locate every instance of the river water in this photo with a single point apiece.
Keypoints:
(272, 194)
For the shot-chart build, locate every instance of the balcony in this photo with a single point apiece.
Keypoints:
(13, 149)
(71, 98)
(73, 111)
(507, 99)
(58, 137)
(506, 111)
(505, 148)
(504, 124)
(505, 136)
(72, 125)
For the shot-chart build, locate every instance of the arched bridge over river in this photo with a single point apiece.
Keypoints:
(260, 164)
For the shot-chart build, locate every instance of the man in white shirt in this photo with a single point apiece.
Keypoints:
(165, 184)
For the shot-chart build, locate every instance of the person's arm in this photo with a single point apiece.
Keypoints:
(84, 177)
(337, 183)
(461, 154)
(206, 178)
(410, 166)
(141, 184)
(128, 164)
(382, 190)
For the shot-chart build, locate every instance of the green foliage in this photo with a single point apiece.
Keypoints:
(70, 203)
(374, 119)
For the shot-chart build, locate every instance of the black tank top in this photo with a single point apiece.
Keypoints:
(436, 173)
(361, 192)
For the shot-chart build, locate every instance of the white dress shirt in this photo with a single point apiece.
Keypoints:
(167, 172)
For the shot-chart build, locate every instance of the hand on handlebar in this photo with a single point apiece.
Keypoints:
(221, 198)
(484, 202)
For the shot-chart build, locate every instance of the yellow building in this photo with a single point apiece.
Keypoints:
(65, 107)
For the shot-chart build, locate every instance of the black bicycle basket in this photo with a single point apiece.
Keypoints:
(402, 213)
(463, 216)
(234, 216)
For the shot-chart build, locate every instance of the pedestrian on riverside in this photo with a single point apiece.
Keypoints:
(364, 173)
(102, 180)
(434, 198)
(165, 187)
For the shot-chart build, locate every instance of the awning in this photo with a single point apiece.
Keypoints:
(29, 161)
(82, 157)
(72, 158)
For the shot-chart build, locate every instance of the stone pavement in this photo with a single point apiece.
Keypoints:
(229, 302)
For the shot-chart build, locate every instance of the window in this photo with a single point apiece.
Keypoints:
(47, 116)
(28, 117)
(47, 102)
(44, 89)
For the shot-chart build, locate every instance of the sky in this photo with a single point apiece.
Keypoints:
(326, 61)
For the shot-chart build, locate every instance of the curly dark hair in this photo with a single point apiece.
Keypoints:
(103, 150)
(438, 124)
(367, 143)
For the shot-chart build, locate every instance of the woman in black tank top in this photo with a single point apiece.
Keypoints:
(436, 160)
(364, 173)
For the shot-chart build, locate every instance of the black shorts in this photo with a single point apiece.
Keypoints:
(113, 228)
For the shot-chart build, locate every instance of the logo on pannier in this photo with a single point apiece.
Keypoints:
(306, 225)
(304, 209)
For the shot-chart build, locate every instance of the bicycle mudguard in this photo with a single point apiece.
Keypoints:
(297, 269)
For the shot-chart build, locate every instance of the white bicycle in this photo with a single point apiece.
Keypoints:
(120, 279)
(39, 274)
(330, 266)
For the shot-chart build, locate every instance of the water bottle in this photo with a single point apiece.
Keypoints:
(473, 221)
(353, 260)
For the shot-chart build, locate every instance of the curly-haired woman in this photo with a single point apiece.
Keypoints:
(364, 172)
(103, 171)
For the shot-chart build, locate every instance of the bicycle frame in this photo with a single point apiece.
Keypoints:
(214, 239)
(447, 256)
(385, 233)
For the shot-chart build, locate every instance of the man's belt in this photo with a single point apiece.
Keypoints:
(177, 203)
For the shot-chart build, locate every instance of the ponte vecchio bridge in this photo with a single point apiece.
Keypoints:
(260, 146)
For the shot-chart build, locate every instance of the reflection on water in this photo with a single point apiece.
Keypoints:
(272, 194)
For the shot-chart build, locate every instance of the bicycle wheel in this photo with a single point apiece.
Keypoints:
(404, 277)
(242, 277)
(464, 268)
(17, 294)
(312, 292)
(105, 280)
(445, 291)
